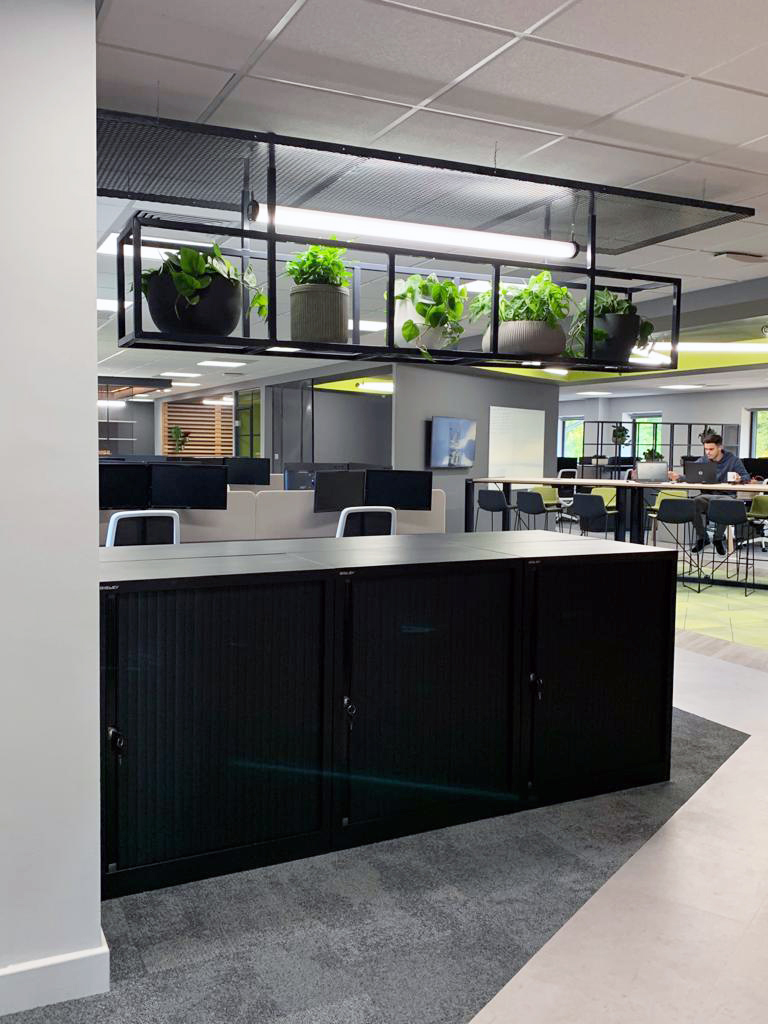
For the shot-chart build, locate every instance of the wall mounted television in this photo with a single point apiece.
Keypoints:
(452, 443)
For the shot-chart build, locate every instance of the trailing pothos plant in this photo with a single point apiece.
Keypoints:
(540, 299)
(606, 302)
(319, 264)
(439, 303)
(193, 270)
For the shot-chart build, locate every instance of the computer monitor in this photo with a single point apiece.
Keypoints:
(756, 467)
(399, 488)
(247, 471)
(123, 485)
(298, 480)
(184, 486)
(566, 462)
(337, 491)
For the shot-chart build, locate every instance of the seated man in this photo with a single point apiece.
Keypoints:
(727, 464)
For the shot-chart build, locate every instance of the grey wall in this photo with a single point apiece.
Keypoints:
(423, 392)
(143, 414)
(353, 428)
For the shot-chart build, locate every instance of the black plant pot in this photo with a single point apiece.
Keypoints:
(621, 334)
(217, 312)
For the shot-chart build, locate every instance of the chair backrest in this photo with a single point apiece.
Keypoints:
(158, 526)
(377, 520)
(726, 512)
(491, 501)
(588, 506)
(676, 510)
(759, 506)
(608, 494)
(672, 495)
(531, 503)
(548, 494)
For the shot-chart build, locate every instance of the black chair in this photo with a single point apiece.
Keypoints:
(531, 505)
(678, 516)
(592, 514)
(730, 513)
(491, 501)
(156, 526)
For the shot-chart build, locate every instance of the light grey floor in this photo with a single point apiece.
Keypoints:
(421, 929)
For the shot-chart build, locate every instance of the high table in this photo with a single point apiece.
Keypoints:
(630, 507)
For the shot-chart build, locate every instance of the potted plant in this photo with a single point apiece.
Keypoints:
(179, 438)
(617, 328)
(652, 455)
(199, 292)
(620, 434)
(428, 311)
(319, 297)
(529, 316)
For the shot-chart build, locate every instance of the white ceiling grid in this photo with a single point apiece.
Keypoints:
(664, 96)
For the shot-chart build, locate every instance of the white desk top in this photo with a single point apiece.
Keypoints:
(656, 485)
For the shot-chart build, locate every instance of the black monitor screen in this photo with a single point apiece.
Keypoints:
(336, 491)
(247, 471)
(756, 467)
(400, 488)
(185, 486)
(123, 485)
(566, 462)
(298, 480)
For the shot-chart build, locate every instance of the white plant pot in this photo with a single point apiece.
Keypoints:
(429, 337)
(527, 338)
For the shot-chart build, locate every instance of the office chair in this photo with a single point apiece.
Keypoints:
(491, 501)
(155, 526)
(729, 513)
(673, 513)
(379, 525)
(590, 509)
(652, 510)
(530, 504)
(758, 516)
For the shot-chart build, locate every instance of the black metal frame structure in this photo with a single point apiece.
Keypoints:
(158, 160)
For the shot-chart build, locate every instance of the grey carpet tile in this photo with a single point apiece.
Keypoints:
(424, 928)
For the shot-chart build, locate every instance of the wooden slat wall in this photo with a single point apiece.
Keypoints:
(210, 428)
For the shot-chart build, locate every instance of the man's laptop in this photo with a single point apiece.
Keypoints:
(701, 473)
(652, 472)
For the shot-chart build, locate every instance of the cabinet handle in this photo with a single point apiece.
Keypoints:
(116, 742)
(538, 682)
(349, 707)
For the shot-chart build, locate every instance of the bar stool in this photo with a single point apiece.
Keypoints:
(530, 504)
(729, 513)
(681, 512)
(590, 509)
(491, 501)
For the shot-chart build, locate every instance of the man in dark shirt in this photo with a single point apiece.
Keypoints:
(726, 463)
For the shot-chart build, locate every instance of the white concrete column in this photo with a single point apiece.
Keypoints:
(51, 946)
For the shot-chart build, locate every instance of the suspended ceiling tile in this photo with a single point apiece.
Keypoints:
(517, 15)
(692, 119)
(748, 71)
(685, 35)
(707, 181)
(150, 85)
(374, 50)
(541, 86)
(450, 137)
(260, 105)
(590, 161)
(196, 30)
(744, 235)
(703, 264)
(752, 156)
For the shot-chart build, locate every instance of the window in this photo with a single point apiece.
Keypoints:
(647, 433)
(248, 424)
(571, 437)
(759, 434)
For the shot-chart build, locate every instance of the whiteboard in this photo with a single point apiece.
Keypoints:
(515, 442)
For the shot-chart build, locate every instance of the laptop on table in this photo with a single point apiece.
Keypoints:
(654, 472)
(701, 473)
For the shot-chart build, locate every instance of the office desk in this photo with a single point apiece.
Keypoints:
(267, 700)
(630, 506)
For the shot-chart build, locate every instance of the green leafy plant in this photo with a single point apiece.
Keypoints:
(541, 300)
(652, 455)
(193, 270)
(620, 434)
(439, 302)
(319, 264)
(606, 302)
(179, 438)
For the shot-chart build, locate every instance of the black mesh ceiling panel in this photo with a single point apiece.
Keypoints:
(198, 165)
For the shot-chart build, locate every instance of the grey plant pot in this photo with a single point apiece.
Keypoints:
(527, 338)
(319, 312)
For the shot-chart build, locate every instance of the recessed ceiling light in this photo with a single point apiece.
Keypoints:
(109, 305)
(170, 373)
(680, 387)
(218, 362)
(381, 387)
(184, 384)
(218, 401)
(282, 348)
(595, 394)
(110, 403)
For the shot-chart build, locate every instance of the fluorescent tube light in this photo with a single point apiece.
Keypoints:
(282, 348)
(150, 252)
(218, 362)
(595, 394)
(109, 305)
(351, 227)
(382, 387)
(139, 399)
(179, 373)
(111, 403)
(217, 401)
(680, 387)
(184, 384)
(558, 372)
